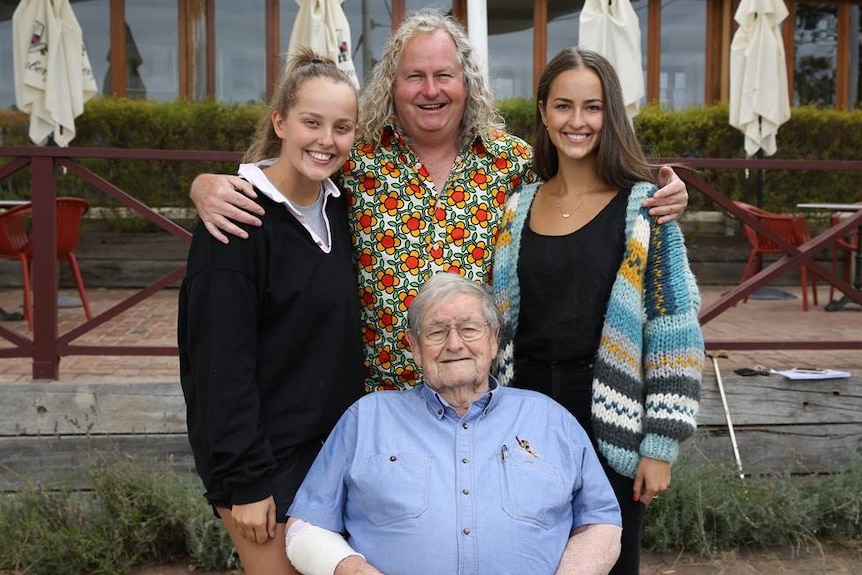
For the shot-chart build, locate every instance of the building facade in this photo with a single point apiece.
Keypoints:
(231, 50)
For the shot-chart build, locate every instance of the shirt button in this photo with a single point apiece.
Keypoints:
(439, 412)
(465, 460)
(392, 458)
(464, 425)
(466, 531)
(465, 491)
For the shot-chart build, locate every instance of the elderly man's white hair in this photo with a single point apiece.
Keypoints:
(445, 286)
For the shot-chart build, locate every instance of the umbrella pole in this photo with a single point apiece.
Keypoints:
(765, 292)
(758, 189)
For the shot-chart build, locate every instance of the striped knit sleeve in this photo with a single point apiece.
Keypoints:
(673, 345)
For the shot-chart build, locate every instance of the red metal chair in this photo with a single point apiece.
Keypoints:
(793, 229)
(845, 247)
(15, 243)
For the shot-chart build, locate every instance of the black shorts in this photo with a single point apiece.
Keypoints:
(292, 468)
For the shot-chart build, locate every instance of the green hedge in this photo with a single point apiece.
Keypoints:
(698, 132)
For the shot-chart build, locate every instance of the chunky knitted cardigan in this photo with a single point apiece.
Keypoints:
(646, 381)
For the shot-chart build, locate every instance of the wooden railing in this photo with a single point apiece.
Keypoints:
(793, 258)
(47, 346)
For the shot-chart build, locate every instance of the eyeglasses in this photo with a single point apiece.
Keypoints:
(467, 331)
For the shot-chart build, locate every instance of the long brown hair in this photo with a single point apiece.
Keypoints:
(620, 161)
(304, 65)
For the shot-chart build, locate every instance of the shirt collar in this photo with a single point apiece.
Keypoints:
(485, 402)
(254, 174)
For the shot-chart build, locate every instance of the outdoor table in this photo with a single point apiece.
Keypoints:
(836, 305)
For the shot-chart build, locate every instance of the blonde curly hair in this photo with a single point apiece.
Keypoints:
(377, 106)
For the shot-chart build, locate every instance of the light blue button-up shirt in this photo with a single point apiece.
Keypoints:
(419, 490)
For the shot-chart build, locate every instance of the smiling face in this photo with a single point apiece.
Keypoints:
(318, 130)
(574, 113)
(430, 89)
(455, 366)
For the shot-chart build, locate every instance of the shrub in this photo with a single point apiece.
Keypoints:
(136, 513)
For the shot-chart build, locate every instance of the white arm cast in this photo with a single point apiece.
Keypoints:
(314, 550)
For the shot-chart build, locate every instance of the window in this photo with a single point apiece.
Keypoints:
(152, 43)
(510, 51)
(815, 40)
(240, 51)
(683, 53)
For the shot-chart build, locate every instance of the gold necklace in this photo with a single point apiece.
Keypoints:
(582, 195)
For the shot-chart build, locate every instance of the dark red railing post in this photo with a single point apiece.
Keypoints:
(46, 359)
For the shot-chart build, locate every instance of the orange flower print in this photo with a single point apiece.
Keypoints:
(414, 188)
(365, 149)
(503, 164)
(387, 280)
(480, 215)
(386, 319)
(405, 299)
(479, 179)
(520, 151)
(454, 268)
(500, 196)
(385, 385)
(369, 334)
(390, 203)
(424, 174)
(368, 184)
(435, 251)
(412, 224)
(457, 233)
(366, 259)
(383, 357)
(439, 215)
(387, 241)
(412, 262)
(365, 220)
(477, 253)
(367, 297)
(407, 375)
(349, 166)
(390, 169)
(458, 197)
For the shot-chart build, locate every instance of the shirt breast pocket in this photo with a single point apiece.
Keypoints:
(533, 490)
(393, 487)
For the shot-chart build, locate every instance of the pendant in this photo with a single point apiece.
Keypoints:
(565, 216)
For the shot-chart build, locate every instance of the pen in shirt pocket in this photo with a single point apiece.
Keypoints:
(504, 452)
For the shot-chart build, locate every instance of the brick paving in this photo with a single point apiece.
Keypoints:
(152, 323)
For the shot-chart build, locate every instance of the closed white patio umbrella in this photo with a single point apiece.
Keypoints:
(322, 26)
(611, 28)
(53, 76)
(759, 95)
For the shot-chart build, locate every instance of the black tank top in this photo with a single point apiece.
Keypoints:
(565, 286)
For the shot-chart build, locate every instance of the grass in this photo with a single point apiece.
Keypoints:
(139, 514)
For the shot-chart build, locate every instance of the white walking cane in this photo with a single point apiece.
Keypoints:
(714, 357)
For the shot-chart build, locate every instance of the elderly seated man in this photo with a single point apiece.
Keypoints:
(458, 475)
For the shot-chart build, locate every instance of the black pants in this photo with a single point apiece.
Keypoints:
(570, 384)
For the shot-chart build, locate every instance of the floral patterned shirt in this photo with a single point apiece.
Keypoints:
(403, 232)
